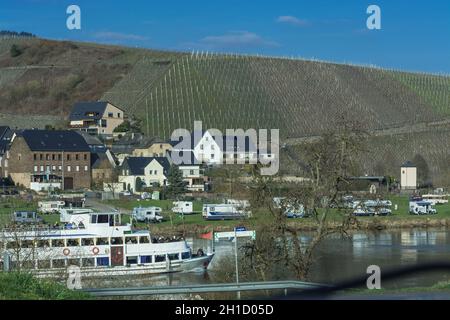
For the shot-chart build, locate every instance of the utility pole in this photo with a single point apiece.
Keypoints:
(62, 168)
(236, 261)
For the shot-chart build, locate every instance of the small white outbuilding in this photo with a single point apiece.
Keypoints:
(408, 180)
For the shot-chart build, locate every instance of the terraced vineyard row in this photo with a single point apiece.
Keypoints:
(299, 97)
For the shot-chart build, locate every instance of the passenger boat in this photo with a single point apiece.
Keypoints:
(100, 245)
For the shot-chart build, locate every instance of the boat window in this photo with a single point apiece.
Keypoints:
(73, 262)
(132, 260)
(27, 244)
(44, 264)
(87, 242)
(94, 218)
(131, 240)
(144, 240)
(173, 256)
(102, 218)
(58, 243)
(118, 240)
(73, 242)
(102, 241)
(12, 245)
(43, 243)
(111, 220)
(185, 255)
(88, 262)
(28, 264)
(103, 262)
(146, 259)
(160, 258)
(59, 263)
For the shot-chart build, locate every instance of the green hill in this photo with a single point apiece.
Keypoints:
(169, 90)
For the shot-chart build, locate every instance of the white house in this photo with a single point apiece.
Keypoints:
(408, 180)
(212, 150)
(144, 170)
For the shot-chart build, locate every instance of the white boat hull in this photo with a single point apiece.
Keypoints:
(197, 264)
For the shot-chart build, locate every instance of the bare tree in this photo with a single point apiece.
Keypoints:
(326, 164)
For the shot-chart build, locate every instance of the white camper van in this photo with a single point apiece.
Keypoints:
(421, 208)
(50, 206)
(149, 214)
(183, 207)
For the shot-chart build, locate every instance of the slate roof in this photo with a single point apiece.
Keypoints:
(136, 165)
(408, 164)
(190, 158)
(231, 141)
(80, 110)
(5, 138)
(54, 140)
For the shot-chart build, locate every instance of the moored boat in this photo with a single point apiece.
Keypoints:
(100, 245)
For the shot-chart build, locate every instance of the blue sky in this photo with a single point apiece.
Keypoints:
(415, 34)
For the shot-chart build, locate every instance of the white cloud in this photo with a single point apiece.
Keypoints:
(237, 39)
(117, 36)
(292, 21)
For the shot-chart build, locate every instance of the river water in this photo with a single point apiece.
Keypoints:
(337, 258)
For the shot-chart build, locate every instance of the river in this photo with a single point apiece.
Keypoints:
(337, 258)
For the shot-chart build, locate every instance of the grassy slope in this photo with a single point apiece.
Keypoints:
(22, 286)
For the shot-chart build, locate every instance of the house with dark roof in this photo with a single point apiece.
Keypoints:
(408, 176)
(212, 150)
(152, 147)
(140, 172)
(48, 159)
(98, 118)
(191, 168)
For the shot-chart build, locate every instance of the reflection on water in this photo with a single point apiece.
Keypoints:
(338, 258)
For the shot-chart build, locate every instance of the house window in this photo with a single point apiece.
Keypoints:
(77, 157)
(118, 115)
(59, 157)
(47, 168)
(150, 172)
(201, 147)
(19, 156)
(86, 168)
(68, 157)
(35, 168)
(47, 157)
(212, 155)
(53, 157)
(53, 168)
(59, 168)
(35, 157)
(85, 156)
(191, 172)
(77, 168)
(41, 156)
(42, 168)
(110, 115)
(69, 168)
(156, 172)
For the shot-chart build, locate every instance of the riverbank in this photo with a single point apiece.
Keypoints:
(195, 224)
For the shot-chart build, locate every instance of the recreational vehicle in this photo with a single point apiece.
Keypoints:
(50, 206)
(223, 212)
(149, 214)
(183, 207)
(421, 208)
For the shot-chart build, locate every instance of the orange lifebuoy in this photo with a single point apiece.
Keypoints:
(95, 250)
(66, 251)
